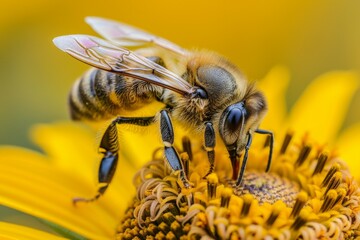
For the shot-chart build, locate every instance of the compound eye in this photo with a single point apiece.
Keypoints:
(218, 82)
(234, 119)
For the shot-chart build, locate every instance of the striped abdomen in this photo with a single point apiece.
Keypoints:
(101, 95)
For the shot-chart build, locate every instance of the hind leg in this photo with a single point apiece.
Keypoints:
(109, 147)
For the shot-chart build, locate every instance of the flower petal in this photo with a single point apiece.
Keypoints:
(9, 231)
(73, 148)
(322, 107)
(30, 184)
(274, 86)
(70, 146)
(348, 145)
(139, 144)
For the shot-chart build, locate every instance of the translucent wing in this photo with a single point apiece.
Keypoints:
(104, 55)
(125, 35)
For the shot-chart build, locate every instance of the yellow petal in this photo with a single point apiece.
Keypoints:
(274, 86)
(70, 146)
(138, 144)
(322, 107)
(30, 184)
(73, 147)
(9, 231)
(348, 145)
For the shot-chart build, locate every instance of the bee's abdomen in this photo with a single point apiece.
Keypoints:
(101, 95)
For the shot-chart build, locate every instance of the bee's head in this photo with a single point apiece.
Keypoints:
(220, 79)
(217, 82)
(239, 119)
(213, 87)
(232, 125)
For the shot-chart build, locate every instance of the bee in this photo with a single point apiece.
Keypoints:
(204, 92)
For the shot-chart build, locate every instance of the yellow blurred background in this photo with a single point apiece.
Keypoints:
(310, 38)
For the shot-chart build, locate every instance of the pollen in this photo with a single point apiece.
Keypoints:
(308, 194)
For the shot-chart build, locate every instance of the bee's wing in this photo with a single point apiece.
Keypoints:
(104, 55)
(128, 36)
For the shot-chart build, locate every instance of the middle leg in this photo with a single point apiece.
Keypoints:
(172, 156)
(210, 138)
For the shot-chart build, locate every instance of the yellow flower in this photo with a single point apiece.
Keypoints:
(44, 185)
(303, 197)
(309, 191)
(320, 111)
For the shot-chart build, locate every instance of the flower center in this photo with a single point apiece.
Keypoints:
(308, 192)
(268, 187)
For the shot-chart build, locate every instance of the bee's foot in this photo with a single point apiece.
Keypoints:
(75, 200)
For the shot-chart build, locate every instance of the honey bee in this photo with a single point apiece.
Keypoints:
(204, 92)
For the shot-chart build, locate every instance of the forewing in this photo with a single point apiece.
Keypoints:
(128, 36)
(104, 55)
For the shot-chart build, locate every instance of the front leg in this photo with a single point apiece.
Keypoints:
(172, 156)
(244, 161)
(109, 147)
(209, 137)
(271, 145)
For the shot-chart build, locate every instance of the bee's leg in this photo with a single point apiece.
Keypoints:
(109, 147)
(271, 145)
(167, 135)
(243, 164)
(186, 143)
(210, 137)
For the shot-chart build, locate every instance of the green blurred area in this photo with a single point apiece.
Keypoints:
(13, 216)
(310, 38)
